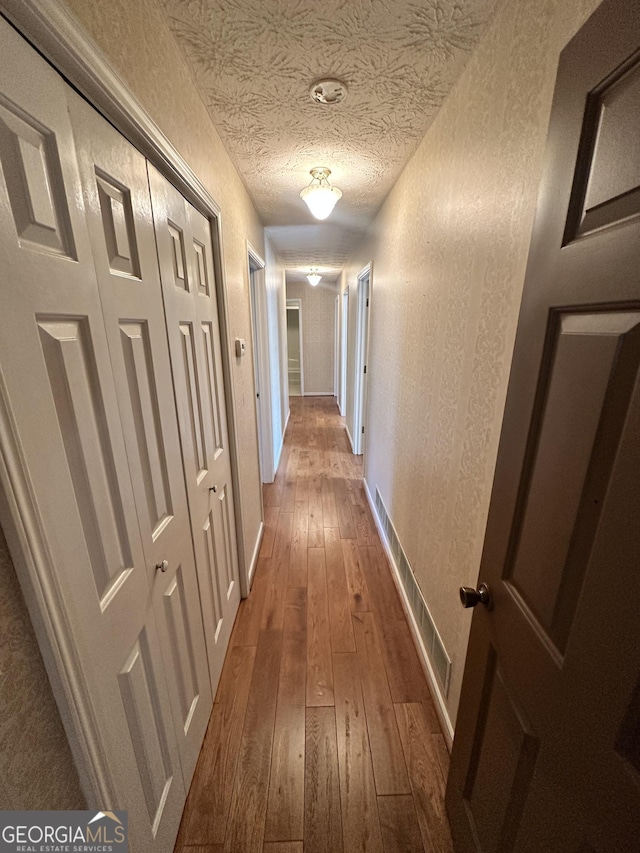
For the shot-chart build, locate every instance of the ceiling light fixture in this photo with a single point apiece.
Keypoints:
(319, 196)
(314, 278)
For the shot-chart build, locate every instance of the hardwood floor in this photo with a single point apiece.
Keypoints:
(323, 736)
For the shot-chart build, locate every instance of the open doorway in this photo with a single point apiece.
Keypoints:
(362, 350)
(260, 340)
(344, 331)
(294, 348)
(336, 350)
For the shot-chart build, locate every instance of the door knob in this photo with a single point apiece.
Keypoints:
(163, 566)
(470, 597)
(213, 489)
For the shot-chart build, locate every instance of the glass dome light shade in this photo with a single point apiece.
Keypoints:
(320, 197)
(314, 279)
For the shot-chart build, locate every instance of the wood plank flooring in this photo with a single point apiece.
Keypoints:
(323, 735)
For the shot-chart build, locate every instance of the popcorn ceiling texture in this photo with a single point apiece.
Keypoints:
(449, 250)
(36, 766)
(134, 38)
(254, 61)
(318, 334)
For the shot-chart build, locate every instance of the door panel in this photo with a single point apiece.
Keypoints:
(542, 757)
(581, 359)
(139, 690)
(118, 211)
(606, 189)
(143, 395)
(70, 364)
(56, 372)
(186, 267)
(34, 183)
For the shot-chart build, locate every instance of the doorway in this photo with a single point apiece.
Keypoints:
(362, 349)
(344, 321)
(294, 348)
(336, 349)
(260, 341)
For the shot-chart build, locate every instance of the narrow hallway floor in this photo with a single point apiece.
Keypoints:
(323, 735)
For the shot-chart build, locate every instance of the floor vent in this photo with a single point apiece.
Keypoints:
(438, 656)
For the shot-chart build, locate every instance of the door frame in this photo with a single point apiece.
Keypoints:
(296, 305)
(261, 372)
(48, 27)
(361, 358)
(336, 349)
(344, 339)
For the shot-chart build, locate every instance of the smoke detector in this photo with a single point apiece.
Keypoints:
(328, 92)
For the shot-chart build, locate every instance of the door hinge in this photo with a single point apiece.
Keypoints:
(363, 430)
(365, 368)
(258, 396)
(367, 301)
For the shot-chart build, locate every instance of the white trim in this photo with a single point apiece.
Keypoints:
(336, 348)
(344, 340)
(434, 687)
(53, 31)
(256, 257)
(286, 423)
(255, 555)
(261, 362)
(361, 357)
(318, 394)
(349, 437)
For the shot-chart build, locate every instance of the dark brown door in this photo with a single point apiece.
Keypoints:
(547, 749)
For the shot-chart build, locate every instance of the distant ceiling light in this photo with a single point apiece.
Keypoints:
(314, 278)
(320, 197)
(328, 92)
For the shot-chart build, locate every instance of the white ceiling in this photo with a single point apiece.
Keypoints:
(254, 62)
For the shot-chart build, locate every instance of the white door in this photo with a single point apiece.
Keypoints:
(184, 244)
(56, 377)
(118, 213)
(362, 350)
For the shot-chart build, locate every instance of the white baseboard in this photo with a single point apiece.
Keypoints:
(346, 428)
(276, 461)
(254, 557)
(434, 687)
(318, 394)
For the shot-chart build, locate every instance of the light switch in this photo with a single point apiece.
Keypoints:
(240, 347)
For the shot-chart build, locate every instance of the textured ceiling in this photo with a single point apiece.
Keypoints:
(254, 62)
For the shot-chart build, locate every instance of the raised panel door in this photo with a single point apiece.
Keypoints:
(545, 755)
(118, 212)
(188, 280)
(57, 382)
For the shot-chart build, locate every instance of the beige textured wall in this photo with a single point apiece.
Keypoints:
(449, 248)
(134, 39)
(318, 334)
(36, 767)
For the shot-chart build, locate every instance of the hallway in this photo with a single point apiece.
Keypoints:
(323, 735)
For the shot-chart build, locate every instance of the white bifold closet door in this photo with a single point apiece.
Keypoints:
(188, 283)
(118, 214)
(85, 372)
